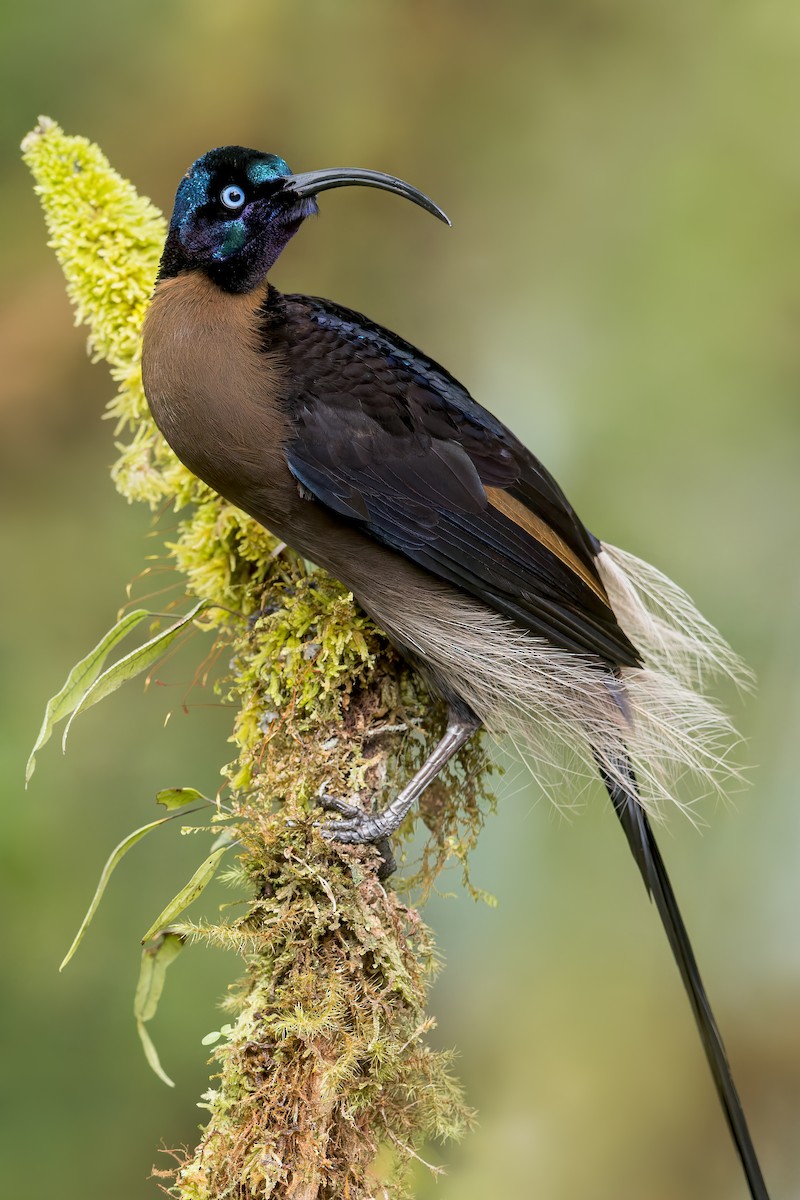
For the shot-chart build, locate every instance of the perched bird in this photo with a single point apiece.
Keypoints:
(370, 459)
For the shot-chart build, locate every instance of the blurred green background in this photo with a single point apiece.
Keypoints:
(622, 284)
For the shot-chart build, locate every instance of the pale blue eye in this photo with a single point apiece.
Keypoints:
(232, 196)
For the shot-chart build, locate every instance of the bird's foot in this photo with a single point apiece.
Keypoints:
(358, 828)
(362, 828)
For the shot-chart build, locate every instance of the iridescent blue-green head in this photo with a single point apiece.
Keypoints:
(235, 210)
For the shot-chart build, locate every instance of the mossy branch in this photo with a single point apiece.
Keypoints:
(325, 1085)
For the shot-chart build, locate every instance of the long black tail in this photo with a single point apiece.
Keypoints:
(643, 846)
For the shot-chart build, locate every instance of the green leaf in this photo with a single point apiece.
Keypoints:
(79, 680)
(155, 960)
(151, 1054)
(130, 665)
(170, 798)
(117, 853)
(212, 1038)
(197, 884)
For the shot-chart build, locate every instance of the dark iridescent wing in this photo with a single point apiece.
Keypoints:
(388, 439)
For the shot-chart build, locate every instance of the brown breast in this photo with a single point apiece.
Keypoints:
(215, 392)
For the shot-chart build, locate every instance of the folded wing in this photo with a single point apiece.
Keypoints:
(388, 439)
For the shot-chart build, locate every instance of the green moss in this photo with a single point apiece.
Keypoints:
(329, 1029)
(324, 1080)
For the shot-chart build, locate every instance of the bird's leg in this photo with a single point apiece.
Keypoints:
(359, 827)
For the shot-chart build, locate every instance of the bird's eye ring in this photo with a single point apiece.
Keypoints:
(232, 196)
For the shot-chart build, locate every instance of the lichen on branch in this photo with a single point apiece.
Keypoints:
(324, 1083)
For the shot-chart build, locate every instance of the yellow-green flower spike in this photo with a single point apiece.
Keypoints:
(107, 239)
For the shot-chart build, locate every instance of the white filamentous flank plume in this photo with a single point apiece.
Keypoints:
(663, 622)
(563, 712)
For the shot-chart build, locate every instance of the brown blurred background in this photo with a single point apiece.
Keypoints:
(622, 284)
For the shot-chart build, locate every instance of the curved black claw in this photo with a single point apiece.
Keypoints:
(388, 861)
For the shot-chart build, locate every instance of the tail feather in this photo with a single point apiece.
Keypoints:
(638, 831)
(564, 712)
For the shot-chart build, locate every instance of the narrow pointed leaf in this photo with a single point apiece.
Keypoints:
(117, 853)
(130, 665)
(151, 1054)
(170, 798)
(155, 960)
(79, 680)
(197, 884)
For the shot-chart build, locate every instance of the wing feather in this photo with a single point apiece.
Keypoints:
(388, 439)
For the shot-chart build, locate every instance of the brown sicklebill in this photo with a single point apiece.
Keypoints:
(375, 463)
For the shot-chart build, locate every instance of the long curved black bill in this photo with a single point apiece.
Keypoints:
(312, 182)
